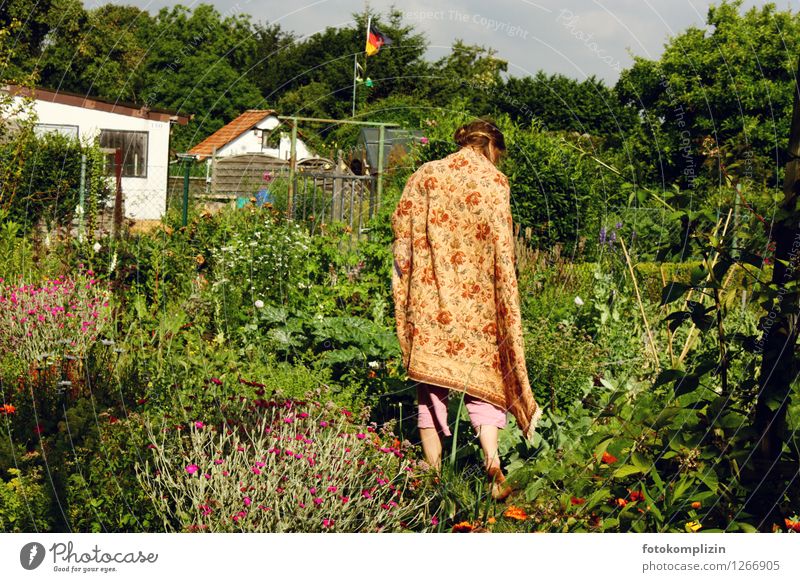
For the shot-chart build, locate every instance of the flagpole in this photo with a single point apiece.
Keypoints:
(366, 56)
(355, 75)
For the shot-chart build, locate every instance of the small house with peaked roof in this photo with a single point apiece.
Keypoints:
(256, 131)
(140, 133)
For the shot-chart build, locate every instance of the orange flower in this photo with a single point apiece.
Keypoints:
(515, 512)
(639, 496)
(609, 458)
(457, 258)
(792, 525)
(696, 505)
(577, 500)
(483, 232)
(621, 502)
(463, 527)
(491, 521)
(371, 374)
(8, 409)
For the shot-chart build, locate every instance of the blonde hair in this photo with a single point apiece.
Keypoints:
(481, 133)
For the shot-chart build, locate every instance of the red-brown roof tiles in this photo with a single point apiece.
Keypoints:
(226, 134)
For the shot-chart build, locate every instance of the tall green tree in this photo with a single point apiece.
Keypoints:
(730, 83)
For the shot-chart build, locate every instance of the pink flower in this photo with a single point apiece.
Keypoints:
(345, 499)
(216, 381)
(247, 501)
(317, 500)
(207, 476)
(260, 465)
(366, 494)
(323, 423)
(303, 415)
(191, 469)
(423, 140)
(435, 520)
(225, 473)
(218, 461)
(256, 470)
(312, 490)
(288, 420)
(327, 522)
(198, 424)
(361, 435)
(332, 489)
(298, 456)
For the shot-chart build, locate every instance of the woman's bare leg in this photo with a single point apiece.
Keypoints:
(488, 434)
(432, 447)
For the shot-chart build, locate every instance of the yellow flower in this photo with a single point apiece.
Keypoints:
(693, 525)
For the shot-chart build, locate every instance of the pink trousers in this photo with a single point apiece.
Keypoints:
(432, 401)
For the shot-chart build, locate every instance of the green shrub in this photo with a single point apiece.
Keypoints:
(24, 502)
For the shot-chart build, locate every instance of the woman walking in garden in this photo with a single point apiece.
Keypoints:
(456, 298)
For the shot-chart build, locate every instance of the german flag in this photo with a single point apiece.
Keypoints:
(375, 40)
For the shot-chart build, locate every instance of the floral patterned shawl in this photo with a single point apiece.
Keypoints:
(455, 287)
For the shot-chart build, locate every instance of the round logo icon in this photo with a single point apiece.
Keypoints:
(31, 555)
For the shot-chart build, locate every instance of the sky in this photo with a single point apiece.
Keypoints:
(577, 38)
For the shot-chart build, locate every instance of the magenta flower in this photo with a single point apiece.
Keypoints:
(198, 424)
(247, 501)
(366, 494)
(225, 473)
(332, 489)
(288, 419)
(216, 381)
(327, 522)
(312, 490)
(191, 469)
(361, 435)
(435, 520)
(207, 476)
(303, 415)
(256, 471)
(323, 423)
(317, 500)
(218, 461)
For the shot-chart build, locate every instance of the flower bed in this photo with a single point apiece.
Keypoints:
(282, 466)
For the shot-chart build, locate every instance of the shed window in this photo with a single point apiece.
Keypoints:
(41, 129)
(134, 151)
(270, 139)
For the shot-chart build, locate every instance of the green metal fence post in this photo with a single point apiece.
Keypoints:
(381, 137)
(187, 169)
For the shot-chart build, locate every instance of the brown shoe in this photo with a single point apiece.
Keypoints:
(499, 489)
